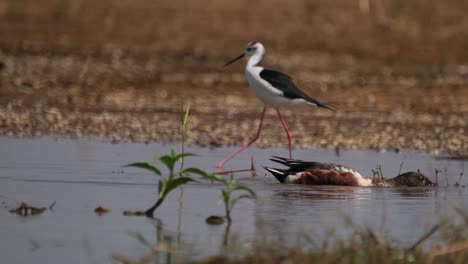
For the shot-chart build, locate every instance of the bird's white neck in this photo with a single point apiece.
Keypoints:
(255, 60)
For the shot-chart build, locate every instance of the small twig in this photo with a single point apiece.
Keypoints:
(437, 176)
(425, 237)
(446, 177)
(461, 175)
(337, 151)
(401, 167)
(252, 168)
(232, 171)
(51, 207)
(184, 114)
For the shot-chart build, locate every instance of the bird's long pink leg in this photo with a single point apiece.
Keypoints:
(221, 164)
(287, 132)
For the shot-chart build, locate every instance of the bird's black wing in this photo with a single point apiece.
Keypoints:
(285, 84)
(296, 165)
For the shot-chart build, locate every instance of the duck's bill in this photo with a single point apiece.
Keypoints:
(234, 60)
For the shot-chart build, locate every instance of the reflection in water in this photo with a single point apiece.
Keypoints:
(163, 249)
(415, 192)
(227, 232)
(324, 192)
(179, 216)
(345, 192)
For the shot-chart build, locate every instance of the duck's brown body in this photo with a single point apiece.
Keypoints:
(326, 177)
(317, 173)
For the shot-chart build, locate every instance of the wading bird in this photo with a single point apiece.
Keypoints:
(273, 88)
(318, 173)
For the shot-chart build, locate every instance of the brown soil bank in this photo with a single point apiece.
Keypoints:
(397, 71)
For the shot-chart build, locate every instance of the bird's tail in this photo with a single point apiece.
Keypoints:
(288, 162)
(280, 175)
(317, 103)
(327, 106)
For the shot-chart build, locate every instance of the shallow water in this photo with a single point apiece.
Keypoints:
(81, 175)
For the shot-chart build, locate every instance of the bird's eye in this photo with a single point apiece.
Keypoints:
(250, 49)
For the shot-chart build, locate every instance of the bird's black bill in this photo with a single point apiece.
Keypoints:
(232, 61)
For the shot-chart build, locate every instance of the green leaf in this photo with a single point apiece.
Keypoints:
(171, 185)
(194, 171)
(146, 166)
(231, 180)
(215, 177)
(169, 161)
(183, 155)
(235, 200)
(245, 188)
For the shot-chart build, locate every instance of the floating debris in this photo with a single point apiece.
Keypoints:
(134, 213)
(25, 209)
(215, 220)
(453, 157)
(101, 210)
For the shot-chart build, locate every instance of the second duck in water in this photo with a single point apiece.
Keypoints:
(318, 173)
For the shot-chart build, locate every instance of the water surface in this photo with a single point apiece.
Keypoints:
(83, 174)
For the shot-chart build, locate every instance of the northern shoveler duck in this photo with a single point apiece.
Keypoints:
(318, 173)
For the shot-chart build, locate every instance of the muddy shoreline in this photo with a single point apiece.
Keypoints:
(119, 101)
(66, 72)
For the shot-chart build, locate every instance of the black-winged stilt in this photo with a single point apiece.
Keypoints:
(273, 88)
(318, 173)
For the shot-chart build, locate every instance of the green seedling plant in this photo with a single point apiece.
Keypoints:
(228, 194)
(174, 180)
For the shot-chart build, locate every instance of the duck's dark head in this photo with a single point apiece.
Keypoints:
(412, 179)
(280, 175)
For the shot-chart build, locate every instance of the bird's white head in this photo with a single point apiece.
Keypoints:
(255, 50)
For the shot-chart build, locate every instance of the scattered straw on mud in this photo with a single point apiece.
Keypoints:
(93, 70)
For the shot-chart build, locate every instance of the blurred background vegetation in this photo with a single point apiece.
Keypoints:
(420, 31)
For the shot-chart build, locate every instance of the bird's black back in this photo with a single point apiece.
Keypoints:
(285, 84)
